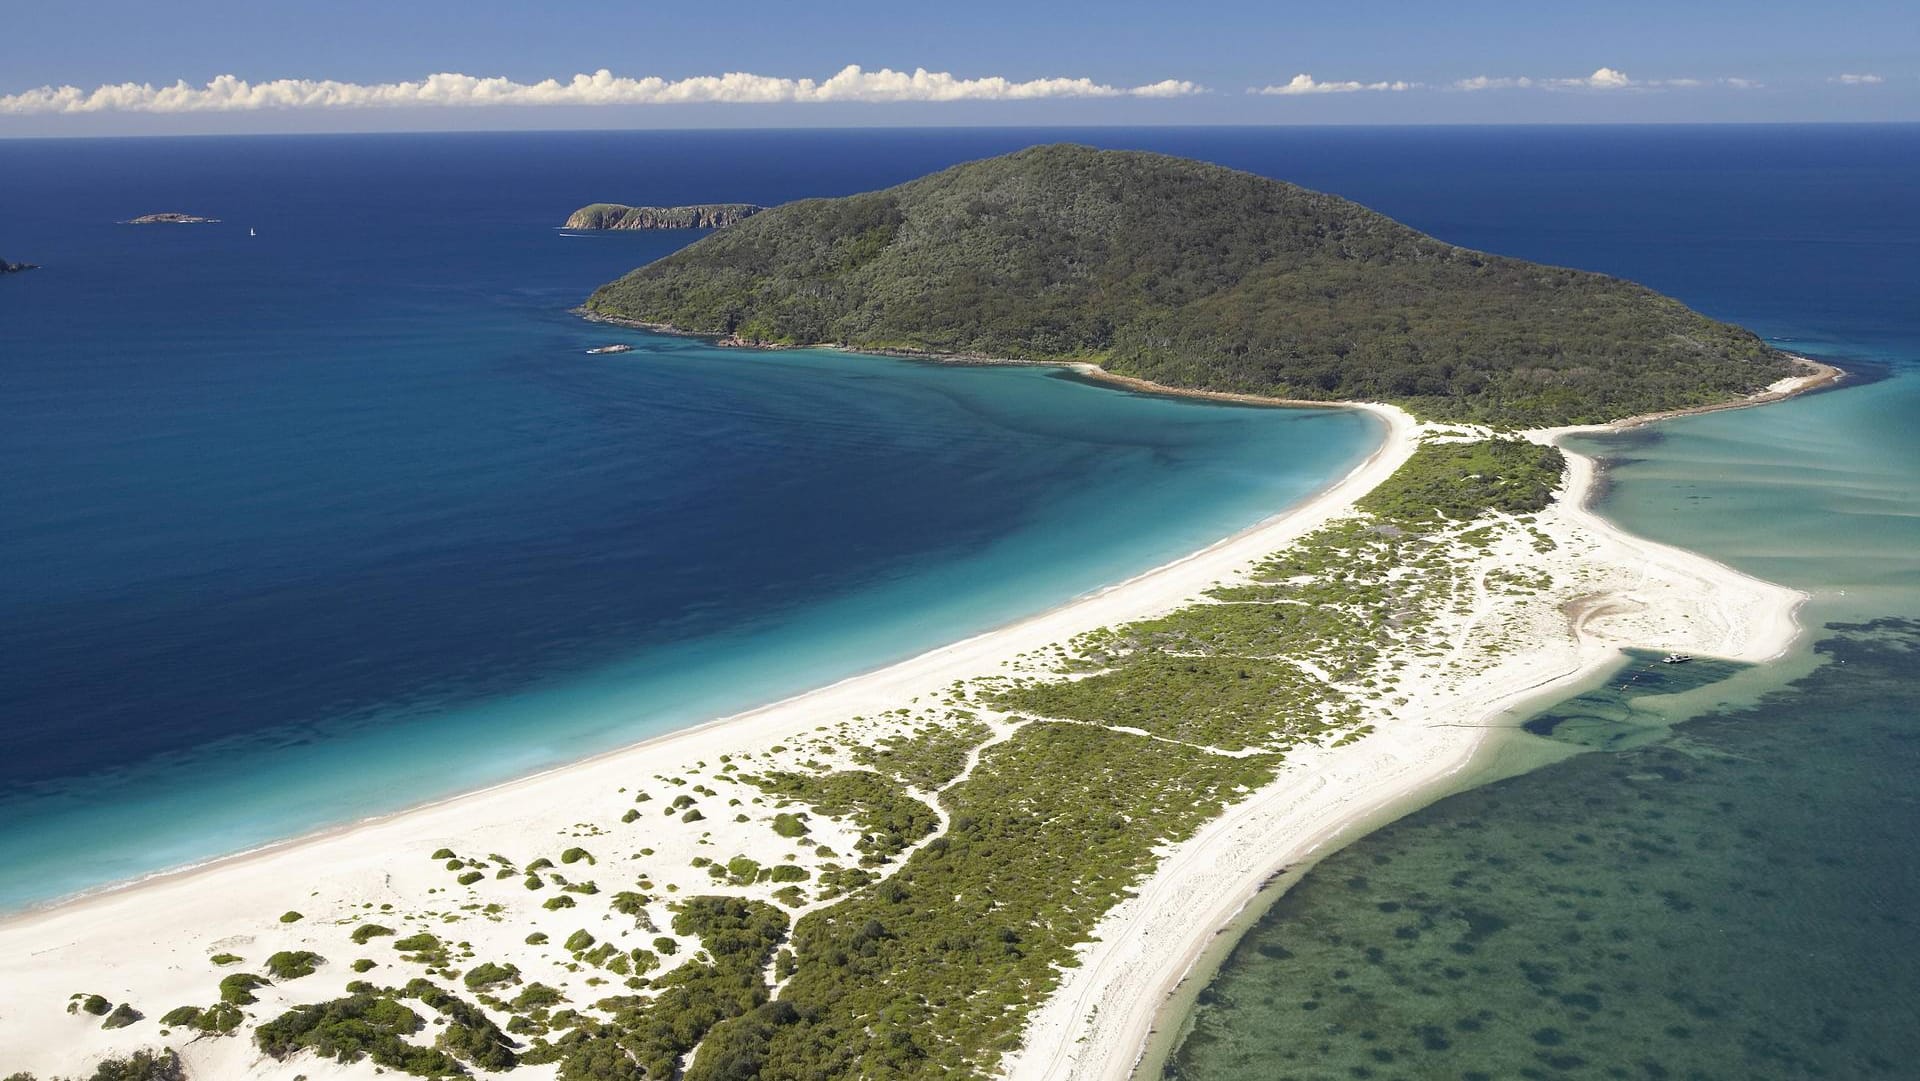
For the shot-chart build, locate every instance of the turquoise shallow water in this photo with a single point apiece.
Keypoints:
(321, 522)
(1710, 889)
(1719, 895)
(1100, 485)
(1718, 904)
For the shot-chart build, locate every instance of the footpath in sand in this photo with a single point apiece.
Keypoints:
(1507, 635)
(1605, 590)
(148, 943)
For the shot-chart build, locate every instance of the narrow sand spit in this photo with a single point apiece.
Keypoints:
(1612, 591)
(148, 943)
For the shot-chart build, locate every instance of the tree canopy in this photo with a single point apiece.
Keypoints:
(1200, 277)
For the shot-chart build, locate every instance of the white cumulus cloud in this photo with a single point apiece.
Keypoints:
(1603, 78)
(229, 93)
(1307, 84)
(1167, 88)
(1857, 80)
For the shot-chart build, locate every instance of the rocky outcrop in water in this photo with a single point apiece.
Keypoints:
(13, 268)
(620, 216)
(171, 218)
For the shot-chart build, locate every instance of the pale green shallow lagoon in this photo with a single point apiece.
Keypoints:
(1729, 896)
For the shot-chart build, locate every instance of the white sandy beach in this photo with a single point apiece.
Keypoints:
(1612, 591)
(149, 944)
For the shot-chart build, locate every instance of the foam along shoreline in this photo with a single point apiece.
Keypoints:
(147, 942)
(1112, 1014)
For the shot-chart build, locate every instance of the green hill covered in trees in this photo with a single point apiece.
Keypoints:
(1201, 277)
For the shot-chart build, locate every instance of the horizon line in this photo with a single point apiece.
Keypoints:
(1106, 126)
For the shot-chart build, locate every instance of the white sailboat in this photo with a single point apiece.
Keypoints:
(251, 232)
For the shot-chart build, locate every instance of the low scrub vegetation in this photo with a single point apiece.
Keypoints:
(293, 964)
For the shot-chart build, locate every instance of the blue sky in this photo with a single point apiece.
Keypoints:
(351, 65)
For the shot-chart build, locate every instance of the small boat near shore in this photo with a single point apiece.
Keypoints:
(602, 350)
(1675, 658)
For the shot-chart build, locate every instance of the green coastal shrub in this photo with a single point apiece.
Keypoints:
(417, 943)
(181, 1017)
(368, 932)
(346, 1030)
(788, 824)
(293, 964)
(648, 1038)
(1462, 481)
(929, 758)
(290, 916)
(365, 964)
(220, 1019)
(890, 819)
(423, 949)
(485, 977)
(237, 989)
(121, 1016)
(470, 877)
(536, 996)
(579, 940)
(163, 1065)
(82, 1002)
(576, 854)
(226, 959)
(555, 904)
(470, 1035)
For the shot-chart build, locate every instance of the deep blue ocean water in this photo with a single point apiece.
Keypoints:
(297, 523)
(319, 522)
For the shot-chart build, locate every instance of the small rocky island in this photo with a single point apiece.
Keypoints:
(171, 218)
(621, 216)
(603, 350)
(14, 268)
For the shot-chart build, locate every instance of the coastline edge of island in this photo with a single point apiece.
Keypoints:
(1144, 595)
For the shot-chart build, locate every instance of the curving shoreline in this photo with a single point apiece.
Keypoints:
(143, 941)
(1109, 1019)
